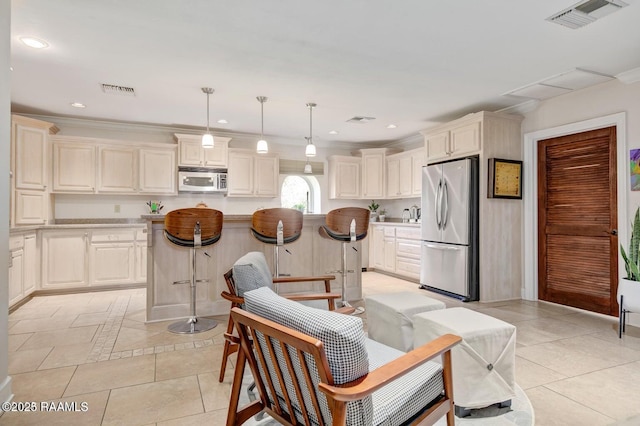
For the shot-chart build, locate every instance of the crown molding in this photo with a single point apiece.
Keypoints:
(629, 77)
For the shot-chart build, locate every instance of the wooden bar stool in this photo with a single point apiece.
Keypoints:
(277, 226)
(193, 228)
(347, 225)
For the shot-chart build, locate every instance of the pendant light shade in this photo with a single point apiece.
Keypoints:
(307, 168)
(207, 138)
(310, 150)
(262, 147)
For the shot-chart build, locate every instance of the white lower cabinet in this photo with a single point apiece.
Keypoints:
(16, 269)
(112, 257)
(65, 258)
(396, 249)
(92, 257)
(31, 264)
(23, 266)
(141, 256)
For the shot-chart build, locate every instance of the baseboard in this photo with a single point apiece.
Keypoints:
(391, 274)
(74, 290)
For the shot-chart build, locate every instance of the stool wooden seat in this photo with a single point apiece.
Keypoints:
(276, 226)
(348, 224)
(193, 228)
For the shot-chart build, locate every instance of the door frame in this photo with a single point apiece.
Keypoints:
(530, 191)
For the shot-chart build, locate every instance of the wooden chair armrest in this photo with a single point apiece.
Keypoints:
(345, 310)
(379, 377)
(303, 279)
(231, 298)
(232, 338)
(310, 296)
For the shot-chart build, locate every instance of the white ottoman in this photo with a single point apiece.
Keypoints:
(483, 363)
(389, 317)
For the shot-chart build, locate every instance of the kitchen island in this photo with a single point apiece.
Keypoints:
(309, 255)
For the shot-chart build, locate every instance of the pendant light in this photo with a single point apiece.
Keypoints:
(262, 147)
(310, 151)
(307, 167)
(207, 138)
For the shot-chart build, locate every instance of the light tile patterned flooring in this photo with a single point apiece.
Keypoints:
(96, 348)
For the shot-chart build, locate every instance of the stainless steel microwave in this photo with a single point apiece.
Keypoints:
(197, 179)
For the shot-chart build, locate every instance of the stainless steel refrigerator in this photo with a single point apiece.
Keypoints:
(449, 262)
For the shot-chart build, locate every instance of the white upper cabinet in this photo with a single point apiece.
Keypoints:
(266, 175)
(84, 165)
(192, 154)
(157, 171)
(456, 142)
(373, 175)
(252, 175)
(31, 159)
(404, 174)
(117, 169)
(74, 166)
(344, 177)
(417, 161)
(30, 167)
(393, 176)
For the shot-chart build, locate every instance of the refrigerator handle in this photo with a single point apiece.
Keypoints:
(445, 202)
(438, 221)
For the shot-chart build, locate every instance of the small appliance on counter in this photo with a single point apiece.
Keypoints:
(413, 214)
(406, 216)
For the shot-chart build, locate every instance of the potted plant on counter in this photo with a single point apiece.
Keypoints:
(629, 287)
(382, 215)
(373, 209)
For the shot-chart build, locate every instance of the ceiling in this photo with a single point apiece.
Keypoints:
(412, 63)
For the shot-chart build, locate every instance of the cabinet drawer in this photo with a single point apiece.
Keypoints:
(111, 236)
(408, 267)
(16, 243)
(408, 233)
(408, 248)
(141, 234)
(389, 231)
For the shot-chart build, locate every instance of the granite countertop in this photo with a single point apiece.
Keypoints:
(394, 223)
(227, 217)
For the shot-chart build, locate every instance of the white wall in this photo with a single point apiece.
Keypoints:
(603, 99)
(5, 138)
(592, 104)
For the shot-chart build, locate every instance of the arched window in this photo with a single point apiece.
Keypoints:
(301, 192)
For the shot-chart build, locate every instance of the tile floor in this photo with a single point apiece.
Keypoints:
(95, 348)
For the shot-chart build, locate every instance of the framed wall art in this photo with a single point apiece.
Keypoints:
(505, 179)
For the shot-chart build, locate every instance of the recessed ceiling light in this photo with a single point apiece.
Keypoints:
(391, 126)
(78, 105)
(333, 132)
(223, 121)
(36, 43)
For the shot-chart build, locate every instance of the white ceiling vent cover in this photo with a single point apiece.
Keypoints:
(360, 120)
(586, 12)
(112, 89)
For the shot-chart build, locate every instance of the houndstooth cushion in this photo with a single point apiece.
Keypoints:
(251, 272)
(344, 343)
(406, 396)
(350, 355)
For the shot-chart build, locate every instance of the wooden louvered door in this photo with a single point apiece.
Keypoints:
(577, 221)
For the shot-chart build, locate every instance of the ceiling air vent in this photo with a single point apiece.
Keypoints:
(112, 89)
(360, 120)
(586, 12)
